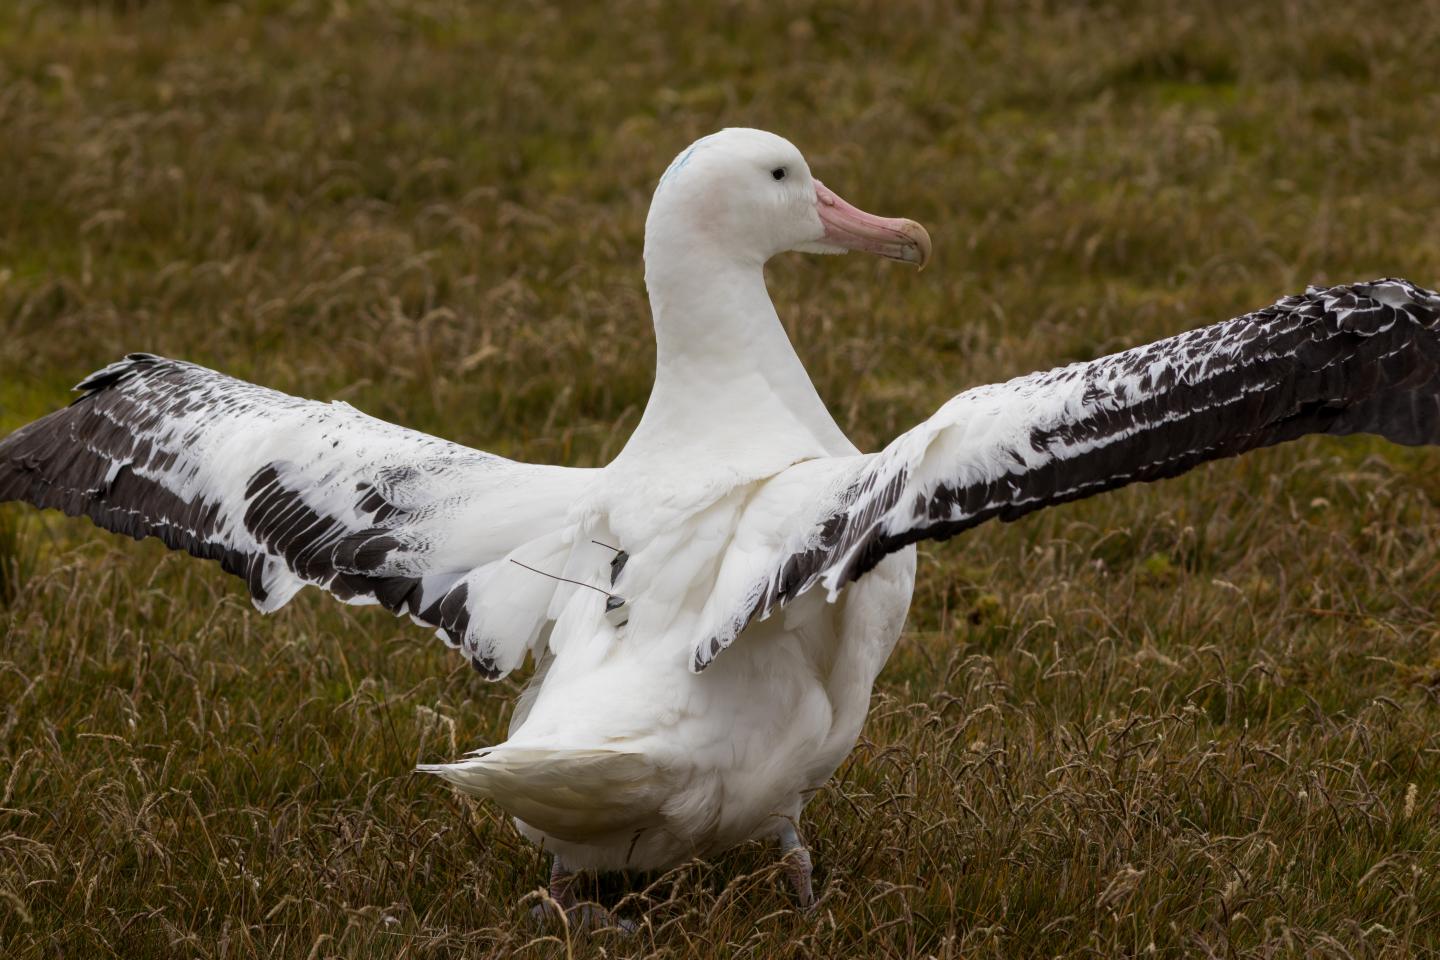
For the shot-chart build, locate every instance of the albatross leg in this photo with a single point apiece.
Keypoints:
(797, 864)
(562, 885)
(582, 917)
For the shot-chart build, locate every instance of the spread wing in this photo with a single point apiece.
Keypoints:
(1362, 358)
(285, 492)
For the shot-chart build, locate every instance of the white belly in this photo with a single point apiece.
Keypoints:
(709, 760)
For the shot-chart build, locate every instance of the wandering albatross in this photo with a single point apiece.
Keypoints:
(741, 570)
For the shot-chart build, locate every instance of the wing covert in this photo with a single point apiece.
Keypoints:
(1358, 358)
(285, 492)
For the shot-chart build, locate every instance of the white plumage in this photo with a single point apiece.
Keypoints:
(692, 690)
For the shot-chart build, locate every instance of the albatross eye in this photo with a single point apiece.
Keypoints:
(778, 173)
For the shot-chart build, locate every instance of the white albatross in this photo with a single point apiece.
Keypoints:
(670, 714)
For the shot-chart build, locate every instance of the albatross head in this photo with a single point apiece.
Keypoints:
(729, 385)
(748, 195)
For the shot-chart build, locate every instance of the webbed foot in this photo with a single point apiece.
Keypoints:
(797, 865)
(580, 917)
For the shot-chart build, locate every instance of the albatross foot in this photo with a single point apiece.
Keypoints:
(580, 917)
(797, 866)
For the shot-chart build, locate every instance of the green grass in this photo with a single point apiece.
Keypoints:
(1202, 715)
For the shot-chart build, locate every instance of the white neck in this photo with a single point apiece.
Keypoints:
(728, 383)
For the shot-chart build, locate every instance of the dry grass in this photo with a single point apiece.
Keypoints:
(1193, 719)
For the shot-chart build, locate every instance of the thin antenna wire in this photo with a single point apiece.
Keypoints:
(607, 546)
(556, 576)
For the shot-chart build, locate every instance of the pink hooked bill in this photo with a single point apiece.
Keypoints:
(854, 229)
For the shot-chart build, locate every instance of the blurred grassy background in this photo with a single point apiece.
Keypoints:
(1196, 719)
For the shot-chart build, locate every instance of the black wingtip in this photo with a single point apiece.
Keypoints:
(617, 566)
(487, 668)
(117, 372)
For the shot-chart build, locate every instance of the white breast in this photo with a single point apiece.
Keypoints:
(625, 757)
(719, 757)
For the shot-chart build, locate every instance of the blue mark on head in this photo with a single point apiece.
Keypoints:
(679, 162)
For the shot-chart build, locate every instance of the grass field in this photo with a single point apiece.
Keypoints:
(1200, 718)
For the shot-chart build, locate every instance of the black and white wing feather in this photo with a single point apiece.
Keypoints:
(1362, 358)
(285, 492)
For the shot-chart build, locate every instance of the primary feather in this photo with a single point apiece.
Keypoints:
(1358, 358)
(285, 493)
